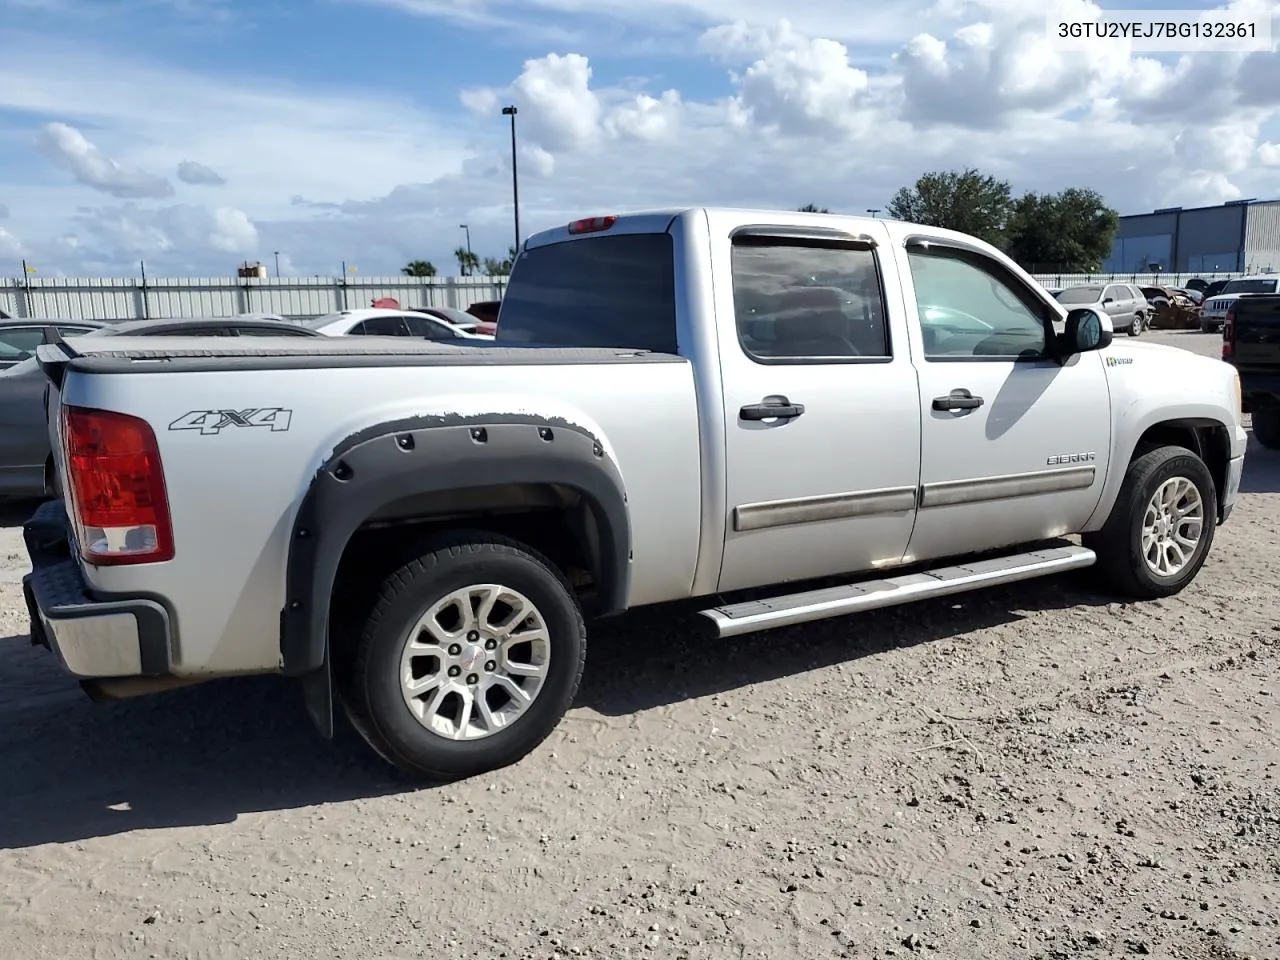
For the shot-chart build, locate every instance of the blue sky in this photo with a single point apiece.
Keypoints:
(367, 130)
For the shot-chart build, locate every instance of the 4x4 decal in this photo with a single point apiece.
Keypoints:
(210, 422)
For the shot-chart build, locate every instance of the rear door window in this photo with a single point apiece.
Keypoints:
(596, 292)
(426, 327)
(385, 327)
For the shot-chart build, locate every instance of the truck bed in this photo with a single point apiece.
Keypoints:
(237, 483)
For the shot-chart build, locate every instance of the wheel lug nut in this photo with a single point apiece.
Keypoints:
(454, 649)
(472, 679)
(491, 644)
(490, 667)
(454, 671)
(473, 636)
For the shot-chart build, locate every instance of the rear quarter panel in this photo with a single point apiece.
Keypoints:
(233, 495)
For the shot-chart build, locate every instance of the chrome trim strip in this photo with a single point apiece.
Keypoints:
(953, 492)
(837, 506)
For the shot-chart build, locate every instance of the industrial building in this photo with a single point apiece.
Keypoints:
(1241, 236)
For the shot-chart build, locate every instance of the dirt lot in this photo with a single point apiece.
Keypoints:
(1019, 773)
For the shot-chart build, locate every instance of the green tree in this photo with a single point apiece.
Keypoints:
(966, 200)
(419, 268)
(1067, 232)
(810, 208)
(493, 267)
(468, 262)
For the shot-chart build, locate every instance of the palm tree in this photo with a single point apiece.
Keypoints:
(419, 268)
(468, 262)
(493, 267)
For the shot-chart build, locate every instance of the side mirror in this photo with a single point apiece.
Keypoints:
(1085, 330)
(1108, 300)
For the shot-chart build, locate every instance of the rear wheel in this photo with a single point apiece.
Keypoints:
(1161, 527)
(1266, 427)
(472, 655)
(1135, 328)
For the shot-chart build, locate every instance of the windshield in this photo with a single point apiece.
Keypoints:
(1080, 295)
(1252, 285)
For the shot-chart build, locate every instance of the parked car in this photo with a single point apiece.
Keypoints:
(486, 311)
(25, 469)
(1251, 344)
(1122, 302)
(425, 535)
(459, 318)
(1216, 307)
(1172, 308)
(380, 322)
(20, 337)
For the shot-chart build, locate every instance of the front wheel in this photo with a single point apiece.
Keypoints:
(1159, 532)
(1266, 427)
(472, 655)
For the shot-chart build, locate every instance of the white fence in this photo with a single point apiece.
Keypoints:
(128, 298)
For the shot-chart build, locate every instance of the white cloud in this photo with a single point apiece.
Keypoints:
(323, 141)
(648, 118)
(884, 24)
(794, 83)
(131, 231)
(197, 174)
(69, 149)
(803, 110)
(10, 246)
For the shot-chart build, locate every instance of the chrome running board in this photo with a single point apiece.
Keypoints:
(736, 619)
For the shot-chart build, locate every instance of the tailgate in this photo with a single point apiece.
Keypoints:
(1257, 334)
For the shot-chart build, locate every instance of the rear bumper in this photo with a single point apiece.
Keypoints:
(92, 637)
(1258, 389)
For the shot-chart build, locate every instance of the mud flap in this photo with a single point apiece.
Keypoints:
(317, 694)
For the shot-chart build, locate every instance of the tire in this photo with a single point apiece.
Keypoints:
(1266, 427)
(1135, 328)
(464, 565)
(1122, 565)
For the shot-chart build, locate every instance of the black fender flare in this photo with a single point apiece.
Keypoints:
(380, 465)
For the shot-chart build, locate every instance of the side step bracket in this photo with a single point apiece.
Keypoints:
(735, 619)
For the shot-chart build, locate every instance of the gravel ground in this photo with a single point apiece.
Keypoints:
(1032, 772)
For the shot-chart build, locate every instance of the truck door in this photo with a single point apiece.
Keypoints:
(1014, 447)
(821, 406)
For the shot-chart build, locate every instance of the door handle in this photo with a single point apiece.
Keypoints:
(780, 409)
(957, 400)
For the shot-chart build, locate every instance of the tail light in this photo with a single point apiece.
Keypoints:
(592, 225)
(1229, 333)
(116, 485)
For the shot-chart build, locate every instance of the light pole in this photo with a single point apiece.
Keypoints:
(277, 256)
(873, 211)
(515, 179)
(463, 226)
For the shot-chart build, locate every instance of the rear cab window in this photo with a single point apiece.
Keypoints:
(596, 291)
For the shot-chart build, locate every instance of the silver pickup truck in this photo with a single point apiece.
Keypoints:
(794, 416)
